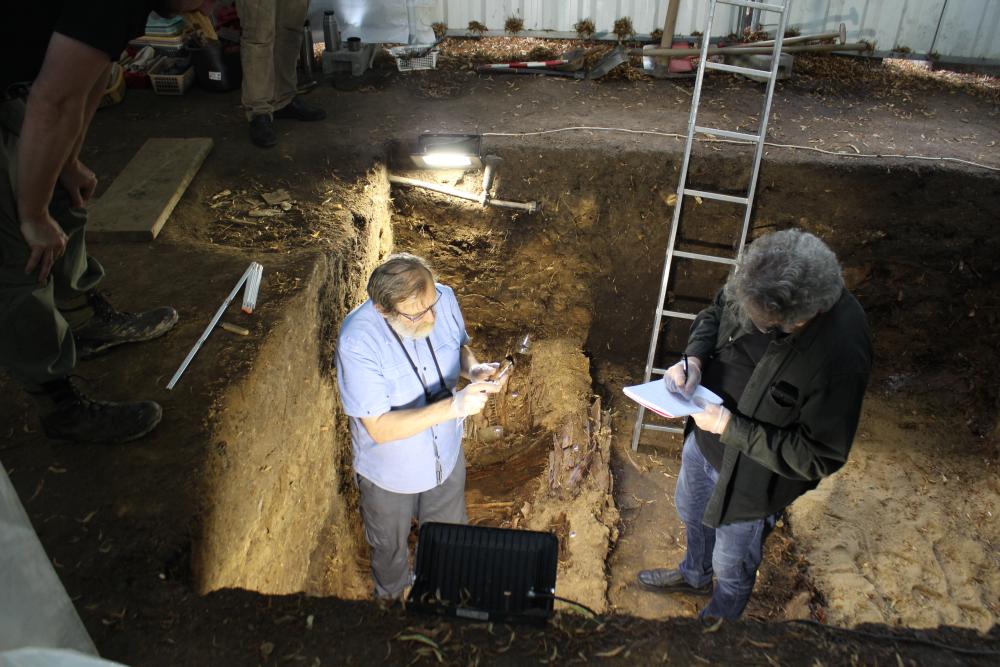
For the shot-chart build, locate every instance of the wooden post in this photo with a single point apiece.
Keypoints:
(669, 25)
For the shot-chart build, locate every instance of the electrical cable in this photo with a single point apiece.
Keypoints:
(675, 135)
(888, 637)
(574, 603)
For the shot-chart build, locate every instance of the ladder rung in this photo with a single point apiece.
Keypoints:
(767, 7)
(718, 196)
(703, 258)
(658, 371)
(729, 134)
(667, 429)
(745, 71)
(674, 313)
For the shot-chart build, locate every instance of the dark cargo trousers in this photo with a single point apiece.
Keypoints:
(387, 517)
(36, 343)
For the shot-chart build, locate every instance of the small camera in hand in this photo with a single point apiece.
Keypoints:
(439, 395)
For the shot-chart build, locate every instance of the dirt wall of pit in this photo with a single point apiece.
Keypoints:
(278, 515)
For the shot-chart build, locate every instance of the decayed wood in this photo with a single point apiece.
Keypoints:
(582, 446)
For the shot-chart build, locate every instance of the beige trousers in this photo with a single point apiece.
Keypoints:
(269, 49)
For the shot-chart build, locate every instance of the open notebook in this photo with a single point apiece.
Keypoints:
(654, 396)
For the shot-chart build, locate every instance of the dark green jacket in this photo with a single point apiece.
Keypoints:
(797, 416)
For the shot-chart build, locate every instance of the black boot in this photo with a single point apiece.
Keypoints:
(262, 131)
(109, 327)
(67, 414)
(299, 110)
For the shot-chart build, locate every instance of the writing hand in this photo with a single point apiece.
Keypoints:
(677, 383)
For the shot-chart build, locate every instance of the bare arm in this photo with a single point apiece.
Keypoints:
(399, 424)
(93, 101)
(54, 124)
(80, 181)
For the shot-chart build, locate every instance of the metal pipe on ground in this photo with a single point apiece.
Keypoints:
(483, 199)
(736, 50)
(799, 39)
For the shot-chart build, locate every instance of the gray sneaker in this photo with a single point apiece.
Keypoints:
(68, 414)
(664, 580)
(109, 327)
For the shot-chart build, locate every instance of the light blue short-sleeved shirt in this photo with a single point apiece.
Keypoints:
(375, 377)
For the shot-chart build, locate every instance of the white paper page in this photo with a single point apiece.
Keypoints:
(654, 395)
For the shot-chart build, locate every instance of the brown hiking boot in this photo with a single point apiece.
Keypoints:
(68, 414)
(110, 327)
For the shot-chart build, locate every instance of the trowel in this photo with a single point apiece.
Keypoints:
(613, 59)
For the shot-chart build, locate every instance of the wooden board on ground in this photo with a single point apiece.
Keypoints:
(138, 203)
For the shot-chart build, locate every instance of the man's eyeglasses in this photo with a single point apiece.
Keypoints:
(419, 316)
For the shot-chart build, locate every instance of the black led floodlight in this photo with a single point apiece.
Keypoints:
(485, 574)
(448, 151)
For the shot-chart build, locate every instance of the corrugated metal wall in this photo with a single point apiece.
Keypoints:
(959, 30)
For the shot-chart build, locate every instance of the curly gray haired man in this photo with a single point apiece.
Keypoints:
(787, 348)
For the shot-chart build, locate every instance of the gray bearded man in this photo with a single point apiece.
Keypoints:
(399, 358)
(787, 348)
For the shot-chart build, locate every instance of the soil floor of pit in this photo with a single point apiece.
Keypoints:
(132, 590)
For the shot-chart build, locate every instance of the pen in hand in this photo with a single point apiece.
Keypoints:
(684, 358)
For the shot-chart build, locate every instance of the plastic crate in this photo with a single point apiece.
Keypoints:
(170, 84)
(408, 61)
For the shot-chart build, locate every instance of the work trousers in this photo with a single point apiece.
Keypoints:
(732, 552)
(36, 343)
(387, 517)
(269, 49)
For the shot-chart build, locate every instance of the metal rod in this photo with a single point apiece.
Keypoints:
(736, 50)
(798, 39)
(531, 206)
(490, 163)
(444, 189)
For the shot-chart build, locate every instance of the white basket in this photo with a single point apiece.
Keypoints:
(406, 61)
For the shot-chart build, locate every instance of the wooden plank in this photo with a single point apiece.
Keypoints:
(138, 203)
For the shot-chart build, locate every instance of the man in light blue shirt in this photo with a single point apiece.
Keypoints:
(399, 358)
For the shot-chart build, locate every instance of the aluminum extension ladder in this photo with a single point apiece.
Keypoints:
(779, 7)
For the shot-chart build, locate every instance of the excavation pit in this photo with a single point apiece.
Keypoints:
(247, 482)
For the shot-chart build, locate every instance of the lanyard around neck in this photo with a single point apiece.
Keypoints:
(427, 392)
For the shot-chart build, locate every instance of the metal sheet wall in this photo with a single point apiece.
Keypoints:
(962, 30)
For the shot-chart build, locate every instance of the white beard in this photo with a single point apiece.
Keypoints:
(407, 330)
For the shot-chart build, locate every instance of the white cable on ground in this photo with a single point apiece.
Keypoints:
(675, 135)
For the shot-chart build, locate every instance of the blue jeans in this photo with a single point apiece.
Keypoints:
(732, 552)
